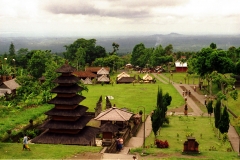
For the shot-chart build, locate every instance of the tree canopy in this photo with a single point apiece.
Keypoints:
(89, 46)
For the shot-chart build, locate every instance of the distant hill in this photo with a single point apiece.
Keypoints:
(180, 42)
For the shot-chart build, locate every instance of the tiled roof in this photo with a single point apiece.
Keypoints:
(84, 74)
(95, 69)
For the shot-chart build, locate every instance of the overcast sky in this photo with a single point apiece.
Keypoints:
(118, 17)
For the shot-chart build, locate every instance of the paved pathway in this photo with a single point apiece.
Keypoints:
(160, 79)
(232, 134)
(138, 140)
(132, 143)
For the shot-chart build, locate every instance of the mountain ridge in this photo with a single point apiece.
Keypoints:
(180, 42)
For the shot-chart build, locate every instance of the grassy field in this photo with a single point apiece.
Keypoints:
(43, 151)
(128, 96)
(183, 78)
(210, 146)
(131, 96)
(16, 120)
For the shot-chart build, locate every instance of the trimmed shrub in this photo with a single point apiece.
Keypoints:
(161, 144)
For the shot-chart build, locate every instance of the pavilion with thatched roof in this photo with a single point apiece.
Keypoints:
(116, 115)
(68, 119)
(9, 87)
(113, 120)
(147, 78)
(103, 79)
(126, 80)
(87, 81)
(123, 74)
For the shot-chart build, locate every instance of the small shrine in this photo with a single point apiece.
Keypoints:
(191, 145)
(108, 132)
(114, 121)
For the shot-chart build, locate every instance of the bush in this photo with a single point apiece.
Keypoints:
(161, 144)
(32, 133)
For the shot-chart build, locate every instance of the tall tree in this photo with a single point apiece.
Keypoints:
(237, 68)
(80, 57)
(231, 53)
(213, 45)
(157, 53)
(224, 121)
(138, 50)
(12, 56)
(12, 50)
(159, 114)
(168, 49)
(210, 108)
(50, 73)
(21, 58)
(115, 48)
(37, 63)
(217, 113)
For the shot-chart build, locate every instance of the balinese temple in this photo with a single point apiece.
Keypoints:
(68, 119)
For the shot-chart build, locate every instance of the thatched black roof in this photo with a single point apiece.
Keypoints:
(67, 100)
(109, 127)
(78, 124)
(67, 89)
(66, 68)
(84, 137)
(66, 79)
(126, 80)
(78, 111)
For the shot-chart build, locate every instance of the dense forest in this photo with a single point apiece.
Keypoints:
(209, 63)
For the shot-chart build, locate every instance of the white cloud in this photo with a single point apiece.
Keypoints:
(103, 17)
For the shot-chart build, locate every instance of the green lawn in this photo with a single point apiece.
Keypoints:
(131, 96)
(43, 151)
(183, 77)
(175, 133)
(16, 119)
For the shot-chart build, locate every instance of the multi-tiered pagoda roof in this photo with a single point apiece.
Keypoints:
(68, 119)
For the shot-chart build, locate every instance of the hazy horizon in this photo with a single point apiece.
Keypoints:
(180, 42)
(16, 35)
